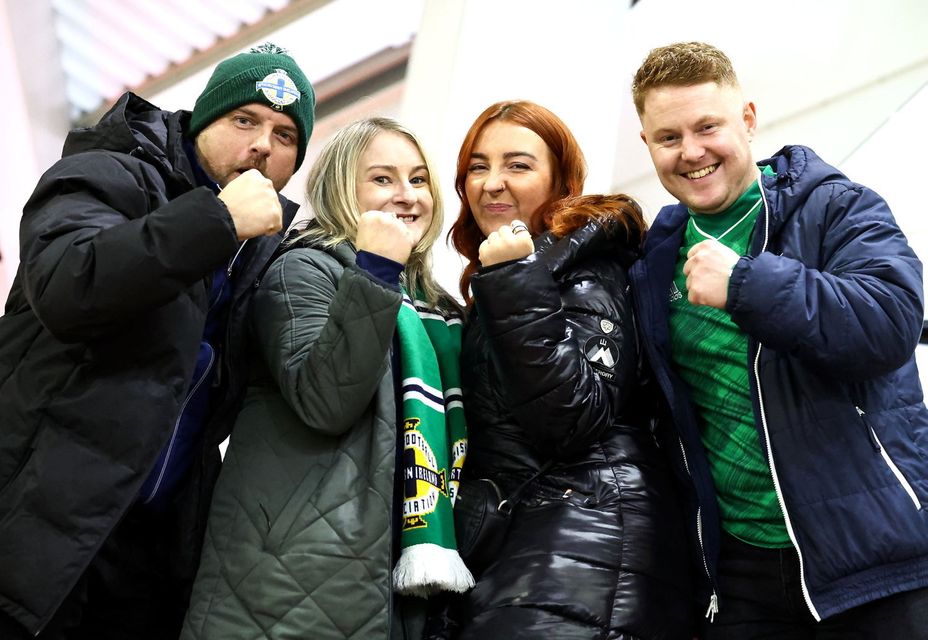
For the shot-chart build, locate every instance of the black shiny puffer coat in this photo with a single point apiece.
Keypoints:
(596, 547)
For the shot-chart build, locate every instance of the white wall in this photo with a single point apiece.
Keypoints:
(34, 117)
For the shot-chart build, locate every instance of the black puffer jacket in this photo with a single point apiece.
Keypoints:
(98, 345)
(550, 367)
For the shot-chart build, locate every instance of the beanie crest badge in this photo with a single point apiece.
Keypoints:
(279, 89)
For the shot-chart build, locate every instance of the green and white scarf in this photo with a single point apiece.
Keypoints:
(434, 446)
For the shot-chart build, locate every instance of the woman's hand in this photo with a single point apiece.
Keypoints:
(381, 233)
(509, 242)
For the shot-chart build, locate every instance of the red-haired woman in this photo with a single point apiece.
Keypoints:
(551, 373)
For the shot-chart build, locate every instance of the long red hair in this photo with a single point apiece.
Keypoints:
(568, 178)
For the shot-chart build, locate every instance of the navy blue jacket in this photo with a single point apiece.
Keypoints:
(830, 298)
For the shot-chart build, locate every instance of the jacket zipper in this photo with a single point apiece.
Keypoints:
(714, 598)
(183, 407)
(664, 382)
(220, 375)
(878, 446)
(235, 257)
(763, 419)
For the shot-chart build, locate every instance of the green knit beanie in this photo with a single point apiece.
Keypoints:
(265, 75)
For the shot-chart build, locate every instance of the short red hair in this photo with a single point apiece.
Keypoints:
(567, 180)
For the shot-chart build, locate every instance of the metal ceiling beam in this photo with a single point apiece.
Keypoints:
(223, 48)
(362, 71)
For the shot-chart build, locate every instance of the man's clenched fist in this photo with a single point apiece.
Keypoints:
(253, 205)
(707, 269)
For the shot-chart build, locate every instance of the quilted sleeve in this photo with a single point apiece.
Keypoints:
(325, 335)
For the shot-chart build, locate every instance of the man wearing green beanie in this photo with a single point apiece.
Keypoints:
(122, 349)
(265, 75)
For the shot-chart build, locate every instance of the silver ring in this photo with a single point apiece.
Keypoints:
(517, 226)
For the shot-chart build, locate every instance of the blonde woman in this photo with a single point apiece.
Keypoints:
(332, 514)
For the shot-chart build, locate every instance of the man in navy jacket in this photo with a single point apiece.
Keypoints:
(780, 306)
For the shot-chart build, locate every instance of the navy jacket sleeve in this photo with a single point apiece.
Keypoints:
(538, 328)
(99, 244)
(849, 301)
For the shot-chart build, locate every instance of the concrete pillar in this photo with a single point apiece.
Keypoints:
(35, 115)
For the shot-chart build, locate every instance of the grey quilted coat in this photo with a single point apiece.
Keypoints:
(298, 543)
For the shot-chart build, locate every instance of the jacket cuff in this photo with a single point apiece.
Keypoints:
(367, 275)
(736, 281)
(382, 268)
(498, 265)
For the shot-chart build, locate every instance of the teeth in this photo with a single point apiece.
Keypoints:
(692, 175)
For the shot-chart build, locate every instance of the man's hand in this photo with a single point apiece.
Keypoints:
(381, 233)
(708, 268)
(506, 243)
(253, 205)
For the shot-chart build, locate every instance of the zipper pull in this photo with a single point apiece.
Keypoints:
(234, 258)
(873, 441)
(713, 607)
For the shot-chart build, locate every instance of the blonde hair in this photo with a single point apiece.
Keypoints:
(682, 64)
(331, 191)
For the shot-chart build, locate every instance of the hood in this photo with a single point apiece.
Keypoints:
(137, 127)
(799, 171)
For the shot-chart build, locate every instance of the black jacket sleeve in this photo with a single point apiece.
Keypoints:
(565, 349)
(101, 243)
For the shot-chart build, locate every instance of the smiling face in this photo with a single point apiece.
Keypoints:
(252, 136)
(699, 139)
(509, 177)
(393, 177)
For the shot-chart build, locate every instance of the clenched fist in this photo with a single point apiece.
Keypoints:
(381, 233)
(253, 205)
(506, 243)
(707, 269)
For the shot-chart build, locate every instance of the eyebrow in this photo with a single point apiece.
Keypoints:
(392, 167)
(506, 156)
(709, 117)
(254, 114)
